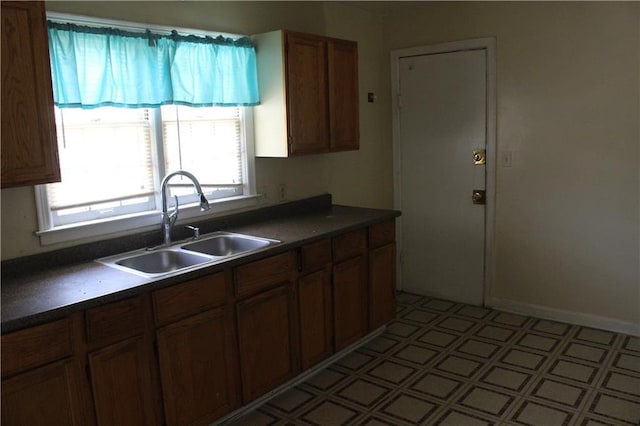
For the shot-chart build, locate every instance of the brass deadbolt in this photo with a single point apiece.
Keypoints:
(479, 196)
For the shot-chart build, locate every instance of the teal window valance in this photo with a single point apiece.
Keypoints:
(95, 67)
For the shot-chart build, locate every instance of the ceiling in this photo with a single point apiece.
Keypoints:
(383, 7)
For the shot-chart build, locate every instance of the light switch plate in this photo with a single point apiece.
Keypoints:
(506, 158)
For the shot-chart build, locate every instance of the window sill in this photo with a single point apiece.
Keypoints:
(143, 222)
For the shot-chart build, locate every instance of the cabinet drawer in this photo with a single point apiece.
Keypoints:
(315, 256)
(36, 346)
(260, 274)
(349, 245)
(115, 321)
(188, 298)
(382, 233)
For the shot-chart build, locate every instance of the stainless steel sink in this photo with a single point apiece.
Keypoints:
(225, 244)
(162, 261)
(213, 248)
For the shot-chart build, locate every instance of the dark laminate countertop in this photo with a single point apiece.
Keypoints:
(39, 290)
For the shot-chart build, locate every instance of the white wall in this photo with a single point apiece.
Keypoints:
(567, 213)
(361, 178)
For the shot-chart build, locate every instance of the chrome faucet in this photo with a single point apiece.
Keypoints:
(169, 219)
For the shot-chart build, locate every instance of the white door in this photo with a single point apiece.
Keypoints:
(442, 121)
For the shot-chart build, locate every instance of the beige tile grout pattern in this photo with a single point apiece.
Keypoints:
(446, 363)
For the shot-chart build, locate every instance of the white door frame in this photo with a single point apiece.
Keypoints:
(489, 45)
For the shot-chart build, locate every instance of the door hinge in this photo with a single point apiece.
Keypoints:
(290, 140)
(399, 101)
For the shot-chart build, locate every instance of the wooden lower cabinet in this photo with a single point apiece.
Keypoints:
(43, 376)
(122, 383)
(49, 395)
(198, 368)
(316, 324)
(382, 285)
(221, 340)
(315, 302)
(267, 340)
(350, 301)
(121, 362)
(382, 273)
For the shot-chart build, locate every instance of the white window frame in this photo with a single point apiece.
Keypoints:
(147, 221)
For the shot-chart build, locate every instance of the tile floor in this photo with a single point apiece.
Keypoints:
(445, 363)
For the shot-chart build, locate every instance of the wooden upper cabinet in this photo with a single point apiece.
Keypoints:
(29, 145)
(307, 97)
(343, 95)
(308, 94)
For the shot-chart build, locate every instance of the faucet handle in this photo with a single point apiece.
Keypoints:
(196, 231)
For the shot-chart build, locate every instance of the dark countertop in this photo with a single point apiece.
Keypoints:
(37, 290)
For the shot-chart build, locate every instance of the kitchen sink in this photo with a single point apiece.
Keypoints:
(162, 261)
(165, 260)
(226, 244)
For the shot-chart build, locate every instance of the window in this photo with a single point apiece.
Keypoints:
(113, 159)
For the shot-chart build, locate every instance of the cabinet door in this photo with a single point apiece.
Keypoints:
(306, 79)
(198, 368)
(316, 324)
(382, 285)
(122, 383)
(267, 340)
(350, 301)
(343, 95)
(45, 396)
(29, 146)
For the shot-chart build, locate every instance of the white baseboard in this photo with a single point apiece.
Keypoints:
(570, 317)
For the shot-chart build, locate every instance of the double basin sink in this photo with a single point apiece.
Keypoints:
(211, 248)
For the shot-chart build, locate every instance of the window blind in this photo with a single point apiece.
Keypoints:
(205, 141)
(105, 155)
